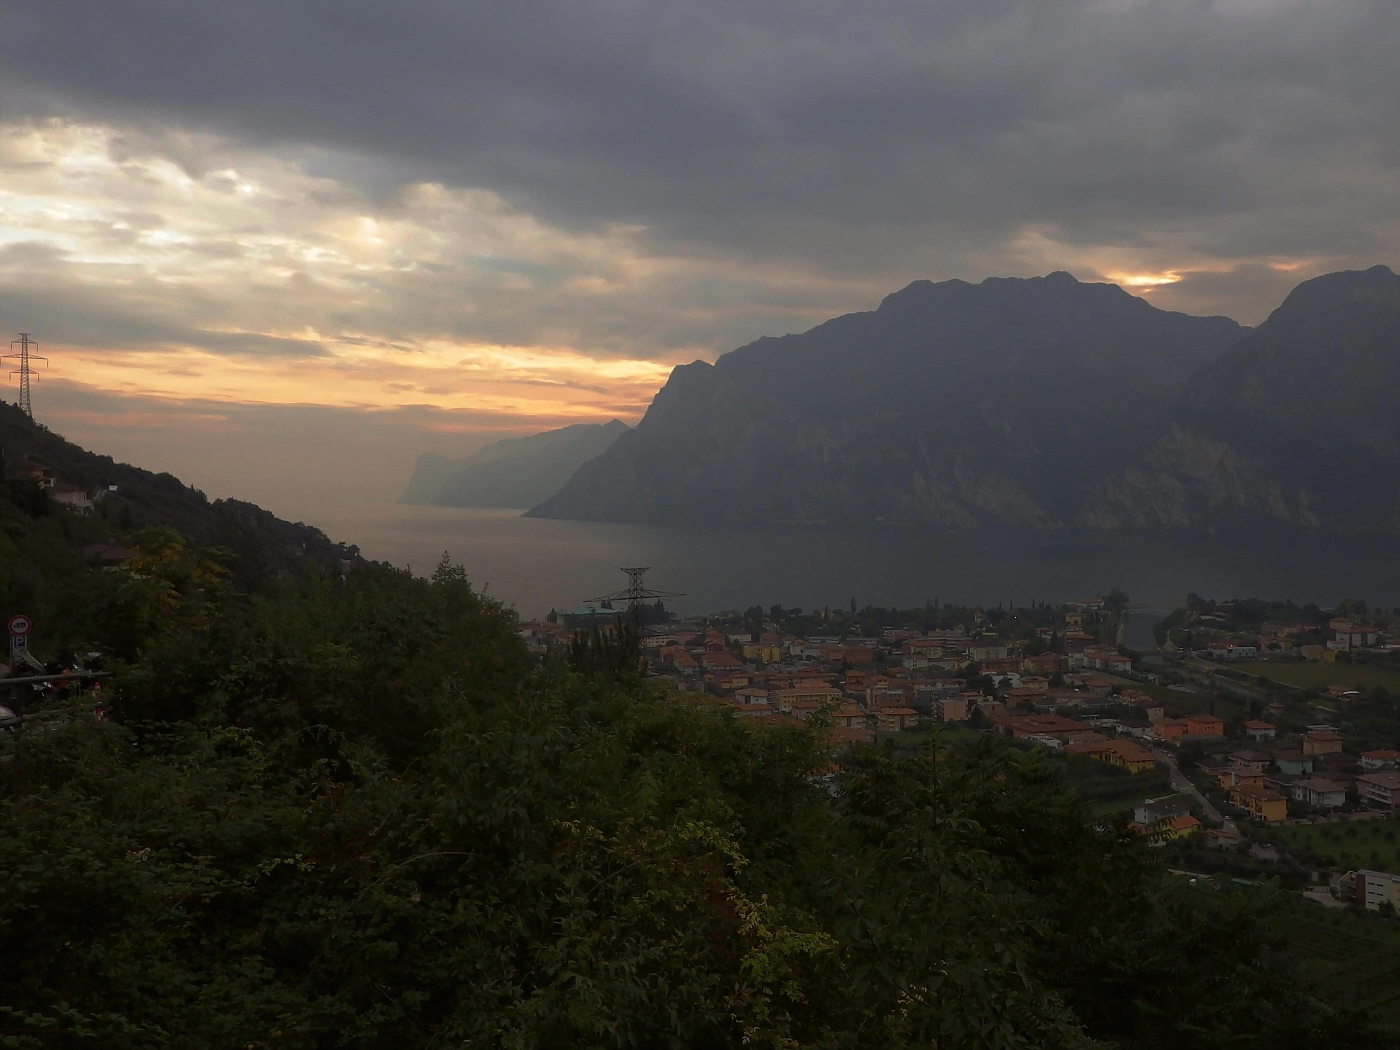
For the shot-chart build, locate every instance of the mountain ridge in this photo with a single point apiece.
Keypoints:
(1030, 403)
(935, 408)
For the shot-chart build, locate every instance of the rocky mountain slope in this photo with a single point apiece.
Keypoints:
(1003, 403)
(515, 472)
(1040, 403)
(1297, 424)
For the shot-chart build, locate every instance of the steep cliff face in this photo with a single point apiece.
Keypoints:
(998, 404)
(1298, 424)
(1191, 481)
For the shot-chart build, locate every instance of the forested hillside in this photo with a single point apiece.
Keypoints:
(324, 809)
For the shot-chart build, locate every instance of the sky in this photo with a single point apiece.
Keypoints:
(280, 247)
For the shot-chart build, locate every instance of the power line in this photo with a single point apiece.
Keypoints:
(24, 371)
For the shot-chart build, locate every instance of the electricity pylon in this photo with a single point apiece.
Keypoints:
(24, 371)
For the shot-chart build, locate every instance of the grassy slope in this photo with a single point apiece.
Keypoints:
(1351, 845)
(1348, 958)
(1309, 675)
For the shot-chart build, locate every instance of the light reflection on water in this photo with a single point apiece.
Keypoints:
(537, 564)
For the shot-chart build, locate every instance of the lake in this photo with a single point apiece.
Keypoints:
(537, 564)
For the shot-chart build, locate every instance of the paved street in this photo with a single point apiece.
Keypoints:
(1180, 782)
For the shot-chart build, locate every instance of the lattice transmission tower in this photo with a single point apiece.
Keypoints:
(635, 594)
(24, 371)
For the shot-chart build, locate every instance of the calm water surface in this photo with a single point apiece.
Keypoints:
(536, 564)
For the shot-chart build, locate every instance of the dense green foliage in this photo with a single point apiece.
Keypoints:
(353, 814)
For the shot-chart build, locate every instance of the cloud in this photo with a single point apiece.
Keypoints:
(855, 138)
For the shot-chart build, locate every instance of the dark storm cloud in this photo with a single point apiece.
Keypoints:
(856, 137)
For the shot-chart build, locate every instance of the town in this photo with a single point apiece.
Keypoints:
(1225, 743)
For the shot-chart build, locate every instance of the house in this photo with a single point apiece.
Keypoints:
(1204, 725)
(851, 716)
(1291, 760)
(1379, 789)
(897, 719)
(752, 710)
(1229, 777)
(819, 693)
(1121, 753)
(951, 709)
(1314, 791)
(1180, 827)
(1260, 803)
(1169, 728)
(1347, 634)
(1322, 741)
(1373, 760)
(1371, 889)
(1149, 706)
(1159, 810)
(1024, 726)
(1251, 762)
(74, 497)
(720, 661)
(751, 695)
(1257, 730)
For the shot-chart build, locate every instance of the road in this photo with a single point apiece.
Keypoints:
(1180, 782)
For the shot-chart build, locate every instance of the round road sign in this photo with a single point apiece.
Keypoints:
(20, 625)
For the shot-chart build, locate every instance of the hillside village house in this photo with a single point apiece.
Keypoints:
(1374, 760)
(1265, 806)
(1204, 725)
(1121, 753)
(1257, 730)
(1347, 635)
(1379, 789)
(1322, 740)
(951, 709)
(896, 719)
(74, 497)
(1292, 761)
(1314, 791)
(1251, 762)
(1371, 889)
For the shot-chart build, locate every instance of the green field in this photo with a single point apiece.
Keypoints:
(1351, 959)
(1309, 675)
(1353, 844)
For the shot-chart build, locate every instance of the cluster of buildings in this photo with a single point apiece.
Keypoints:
(1308, 641)
(1063, 688)
(890, 683)
(1312, 769)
